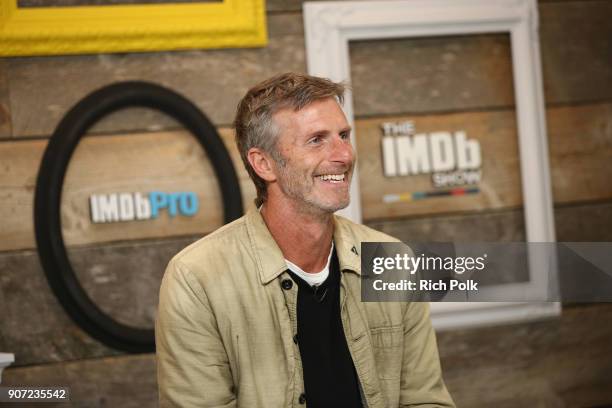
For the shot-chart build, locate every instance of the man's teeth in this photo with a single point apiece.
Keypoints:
(334, 178)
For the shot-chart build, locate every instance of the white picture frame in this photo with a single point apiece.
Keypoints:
(329, 26)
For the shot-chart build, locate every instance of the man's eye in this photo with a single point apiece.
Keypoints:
(315, 140)
(345, 135)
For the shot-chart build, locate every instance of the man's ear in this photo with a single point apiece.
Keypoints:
(262, 163)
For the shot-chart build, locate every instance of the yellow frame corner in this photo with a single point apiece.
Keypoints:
(130, 28)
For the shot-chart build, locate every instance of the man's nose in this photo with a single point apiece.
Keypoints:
(342, 150)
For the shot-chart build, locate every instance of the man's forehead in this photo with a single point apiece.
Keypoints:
(316, 114)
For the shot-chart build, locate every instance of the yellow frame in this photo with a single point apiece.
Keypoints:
(130, 28)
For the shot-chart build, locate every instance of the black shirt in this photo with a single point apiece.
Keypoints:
(330, 379)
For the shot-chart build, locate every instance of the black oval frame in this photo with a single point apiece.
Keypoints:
(50, 180)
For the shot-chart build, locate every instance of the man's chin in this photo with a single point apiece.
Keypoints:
(337, 206)
(343, 205)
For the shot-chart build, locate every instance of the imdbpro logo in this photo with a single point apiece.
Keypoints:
(121, 206)
(118, 207)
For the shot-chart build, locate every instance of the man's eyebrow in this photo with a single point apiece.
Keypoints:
(318, 132)
(324, 131)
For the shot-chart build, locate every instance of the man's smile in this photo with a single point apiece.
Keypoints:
(332, 178)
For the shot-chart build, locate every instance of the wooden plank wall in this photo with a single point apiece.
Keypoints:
(437, 82)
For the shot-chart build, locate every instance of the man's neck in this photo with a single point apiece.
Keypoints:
(304, 238)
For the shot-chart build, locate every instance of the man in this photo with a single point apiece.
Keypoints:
(266, 312)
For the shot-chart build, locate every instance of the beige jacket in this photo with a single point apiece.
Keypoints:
(225, 327)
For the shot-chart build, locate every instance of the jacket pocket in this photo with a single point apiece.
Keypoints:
(387, 346)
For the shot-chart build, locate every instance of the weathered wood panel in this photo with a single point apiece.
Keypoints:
(283, 5)
(413, 75)
(34, 326)
(416, 75)
(126, 381)
(576, 64)
(576, 50)
(560, 362)
(500, 184)
(43, 89)
(123, 280)
(554, 363)
(586, 223)
(580, 146)
(504, 225)
(5, 115)
(573, 223)
(18, 168)
(166, 161)
(296, 5)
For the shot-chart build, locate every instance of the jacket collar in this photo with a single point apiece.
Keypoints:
(270, 260)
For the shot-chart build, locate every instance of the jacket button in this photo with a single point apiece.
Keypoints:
(302, 399)
(295, 339)
(287, 284)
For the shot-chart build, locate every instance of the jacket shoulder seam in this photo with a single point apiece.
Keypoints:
(214, 236)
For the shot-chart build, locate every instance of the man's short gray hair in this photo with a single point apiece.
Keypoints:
(254, 123)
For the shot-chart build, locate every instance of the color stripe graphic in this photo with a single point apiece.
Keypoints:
(420, 195)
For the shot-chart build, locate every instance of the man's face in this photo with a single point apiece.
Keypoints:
(316, 157)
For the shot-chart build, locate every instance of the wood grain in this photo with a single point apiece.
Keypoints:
(555, 363)
(580, 146)
(44, 89)
(5, 115)
(123, 278)
(491, 226)
(165, 161)
(438, 74)
(580, 140)
(559, 362)
(434, 74)
(470, 72)
(500, 185)
(126, 381)
(573, 223)
(576, 51)
(562, 362)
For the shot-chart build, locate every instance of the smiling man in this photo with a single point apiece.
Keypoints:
(266, 311)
